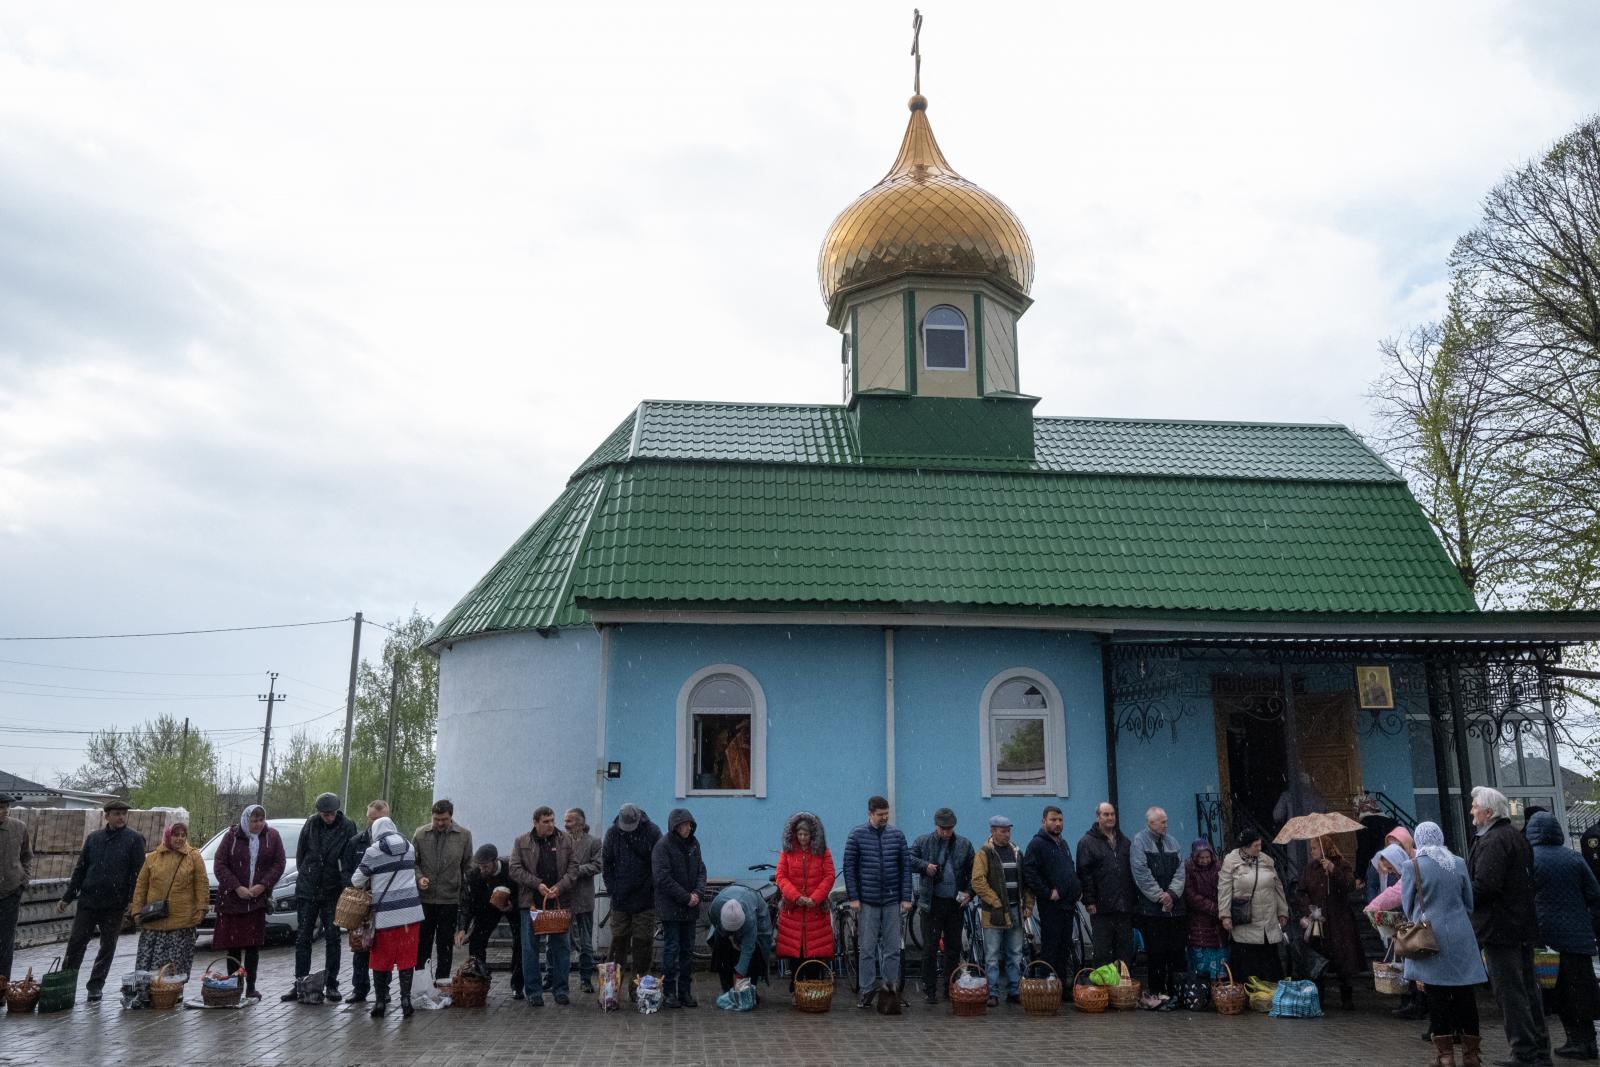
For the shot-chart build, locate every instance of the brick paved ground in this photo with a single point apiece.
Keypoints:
(510, 1034)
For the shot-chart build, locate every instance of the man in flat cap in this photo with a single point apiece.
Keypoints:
(490, 896)
(16, 871)
(998, 882)
(625, 865)
(102, 884)
(942, 862)
(318, 881)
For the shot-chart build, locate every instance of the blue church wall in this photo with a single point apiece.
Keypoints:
(1166, 771)
(517, 729)
(826, 750)
(940, 679)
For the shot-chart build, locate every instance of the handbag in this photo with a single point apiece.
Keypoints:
(1415, 940)
(1240, 910)
(156, 910)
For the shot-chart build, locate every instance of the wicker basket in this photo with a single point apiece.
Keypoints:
(1228, 997)
(969, 1002)
(351, 911)
(1087, 997)
(166, 992)
(468, 991)
(24, 995)
(221, 998)
(813, 994)
(1124, 996)
(556, 920)
(1040, 996)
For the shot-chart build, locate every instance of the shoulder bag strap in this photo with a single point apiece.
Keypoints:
(182, 862)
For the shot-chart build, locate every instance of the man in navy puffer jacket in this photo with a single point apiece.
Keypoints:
(877, 877)
(1567, 898)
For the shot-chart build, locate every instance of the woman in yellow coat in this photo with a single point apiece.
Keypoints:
(176, 874)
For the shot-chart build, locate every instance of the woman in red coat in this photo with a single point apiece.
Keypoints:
(805, 877)
(248, 864)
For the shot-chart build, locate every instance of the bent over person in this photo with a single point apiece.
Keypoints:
(491, 896)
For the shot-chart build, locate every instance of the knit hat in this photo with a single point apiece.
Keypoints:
(944, 818)
(486, 853)
(327, 802)
(998, 822)
(629, 816)
(733, 917)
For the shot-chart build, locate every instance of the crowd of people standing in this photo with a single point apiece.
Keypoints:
(432, 892)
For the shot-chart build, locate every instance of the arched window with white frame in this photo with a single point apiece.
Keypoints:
(722, 734)
(944, 339)
(1022, 736)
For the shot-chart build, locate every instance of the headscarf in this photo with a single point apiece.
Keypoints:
(254, 839)
(166, 835)
(1401, 835)
(1199, 845)
(1430, 843)
(1394, 854)
(381, 827)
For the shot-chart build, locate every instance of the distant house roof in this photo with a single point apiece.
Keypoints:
(24, 789)
(753, 507)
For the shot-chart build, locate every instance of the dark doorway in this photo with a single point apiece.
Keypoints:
(1251, 753)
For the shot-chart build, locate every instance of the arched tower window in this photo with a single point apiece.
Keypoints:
(722, 734)
(944, 339)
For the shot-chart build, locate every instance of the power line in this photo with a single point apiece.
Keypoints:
(124, 692)
(313, 685)
(79, 696)
(181, 633)
(114, 670)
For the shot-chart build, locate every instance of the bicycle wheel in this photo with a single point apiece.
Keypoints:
(845, 950)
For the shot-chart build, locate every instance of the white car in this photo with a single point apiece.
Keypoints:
(283, 917)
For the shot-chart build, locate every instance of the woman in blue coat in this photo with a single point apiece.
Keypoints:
(1566, 898)
(1435, 886)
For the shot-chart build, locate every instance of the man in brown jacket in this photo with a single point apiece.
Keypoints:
(16, 871)
(543, 868)
(586, 864)
(444, 852)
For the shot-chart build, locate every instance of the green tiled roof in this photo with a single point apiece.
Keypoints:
(750, 506)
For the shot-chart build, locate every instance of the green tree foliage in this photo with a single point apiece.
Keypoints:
(416, 716)
(154, 765)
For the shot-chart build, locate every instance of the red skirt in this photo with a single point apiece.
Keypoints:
(395, 947)
(248, 930)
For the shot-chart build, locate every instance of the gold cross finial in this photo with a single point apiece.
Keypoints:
(916, 50)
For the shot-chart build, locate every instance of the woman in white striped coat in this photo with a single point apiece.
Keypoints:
(388, 871)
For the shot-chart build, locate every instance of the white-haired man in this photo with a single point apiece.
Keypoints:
(1500, 863)
(1158, 905)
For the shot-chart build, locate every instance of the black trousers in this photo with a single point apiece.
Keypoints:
(108, 921)
(1164, 939)
(250, 960)
(1516, 989)
(1113, 938)
(1055, 937)
(1576, 998)
(438, 933)
(941, 920)
(312, 912)
(10, 907)
(1453, 1009)
(360, 973)
(484, 925)
(1259, 961)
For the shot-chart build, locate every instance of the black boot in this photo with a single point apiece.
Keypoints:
(1347, 996)
(405, 994)
(380, 993)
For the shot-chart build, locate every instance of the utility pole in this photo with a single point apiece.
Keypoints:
(183, 760)
(271, 696)
(350, 713)
(388, 748)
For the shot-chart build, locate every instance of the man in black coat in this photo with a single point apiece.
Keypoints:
(102, 884)
(1500, 863)
(1049, 871)
(1105, 874)
(319, 879)
(625, 865)
(481, 912)
(942, 862)
(360, 973)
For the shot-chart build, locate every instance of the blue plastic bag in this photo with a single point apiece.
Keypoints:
(1296, 1000)
(741, 997)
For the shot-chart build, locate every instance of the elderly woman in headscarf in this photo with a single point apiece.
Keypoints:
(805, 878)
(173, 876)
(1435, 886)
(248, 864)
(1207, 948)
(388, 871)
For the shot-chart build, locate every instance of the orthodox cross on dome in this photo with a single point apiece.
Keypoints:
(916, 50)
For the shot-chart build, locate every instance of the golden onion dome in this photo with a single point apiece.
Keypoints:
(924, 218)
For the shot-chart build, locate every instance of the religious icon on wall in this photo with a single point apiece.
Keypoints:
(1374, 688)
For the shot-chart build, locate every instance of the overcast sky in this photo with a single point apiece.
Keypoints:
(312, 308)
